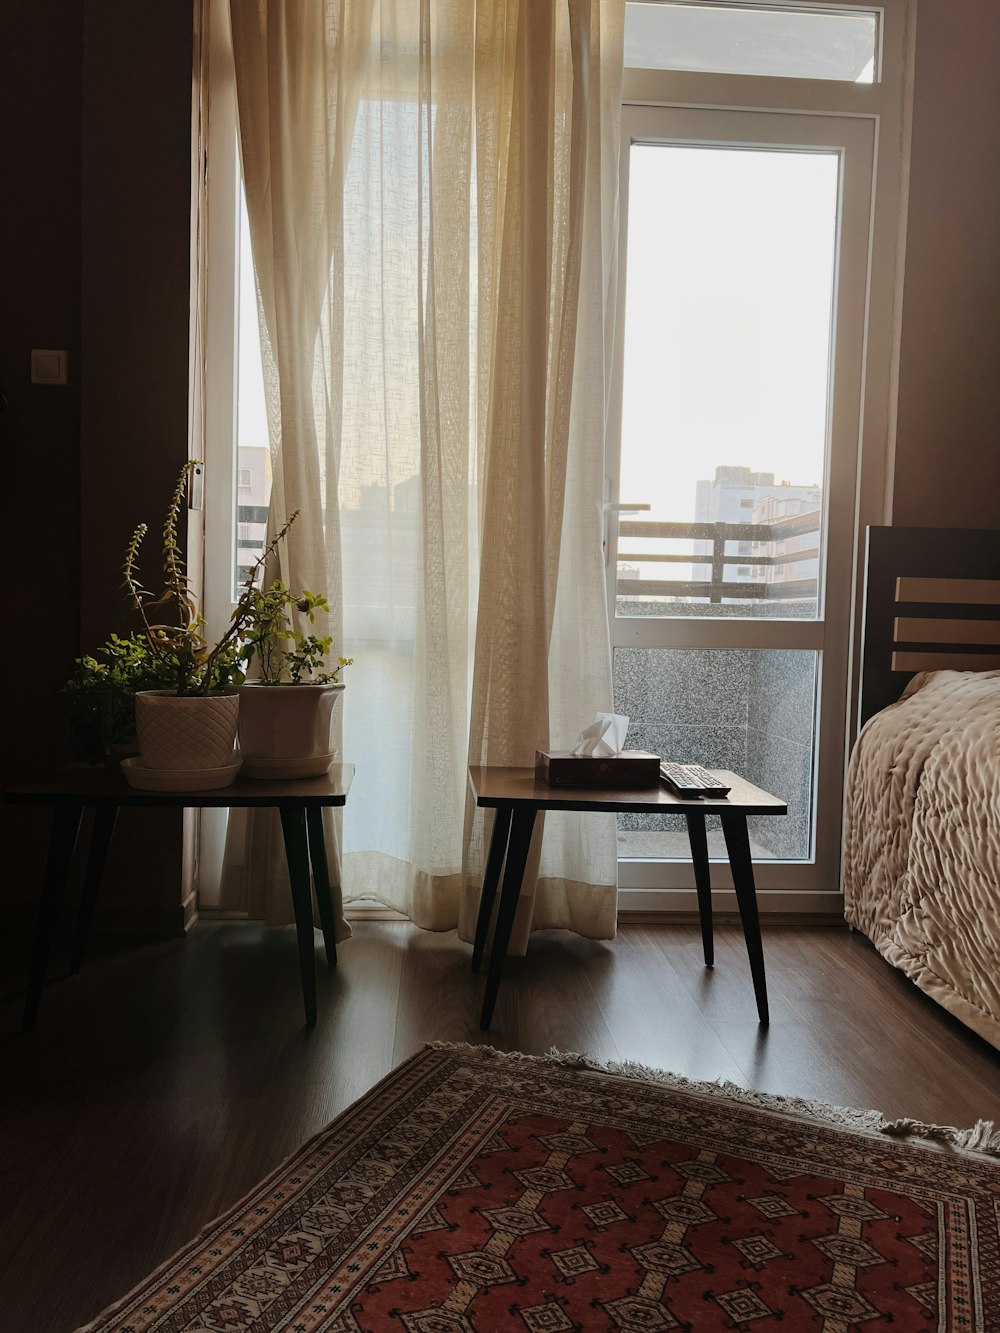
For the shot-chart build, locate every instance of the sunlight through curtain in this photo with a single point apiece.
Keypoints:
(432, 192)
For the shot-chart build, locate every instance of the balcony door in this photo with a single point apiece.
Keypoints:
(741, 358)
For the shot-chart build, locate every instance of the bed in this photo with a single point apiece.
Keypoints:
(922, 809)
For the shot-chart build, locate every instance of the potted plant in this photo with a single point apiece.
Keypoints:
(100, 698)
(287, 711)
(188, 726)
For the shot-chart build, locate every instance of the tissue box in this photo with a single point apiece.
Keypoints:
(631, 768)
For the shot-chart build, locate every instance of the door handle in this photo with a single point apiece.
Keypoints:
(607, 509)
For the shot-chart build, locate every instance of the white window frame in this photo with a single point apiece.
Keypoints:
(222, 295)
(881, 112)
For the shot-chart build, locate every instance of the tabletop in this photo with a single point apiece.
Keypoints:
(494, 786)
(103, 786)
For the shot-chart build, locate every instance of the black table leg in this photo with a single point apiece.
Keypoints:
(702, 879)
(491, 878)
(62, 844)
(321, 878)
(293, 826)
(517, 856)
(105, 818)
(734, 826)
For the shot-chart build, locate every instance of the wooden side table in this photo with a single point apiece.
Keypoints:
(516, 796)
(300, 804)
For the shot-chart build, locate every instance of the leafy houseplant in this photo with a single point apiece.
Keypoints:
(100, 697)
(192, 666)
(190, 723)
(176, 691)
(286, 713)
(277, 645)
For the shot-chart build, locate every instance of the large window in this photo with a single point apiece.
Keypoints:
(756, 268)
(761, 179)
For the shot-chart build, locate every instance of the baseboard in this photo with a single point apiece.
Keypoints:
(170, 923)
(824, 920)
(774, 905)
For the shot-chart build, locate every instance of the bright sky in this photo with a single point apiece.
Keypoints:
(728, 301)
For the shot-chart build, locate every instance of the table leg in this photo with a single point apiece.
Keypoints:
(321, 878)
(734, 826)
(105, 818)
(62, 844)
(491, 878)
(517, 857)
(702, 879)
(293, 826)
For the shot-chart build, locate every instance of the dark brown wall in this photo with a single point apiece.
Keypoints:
(40, 91)
(947, 470)
(95, 105)
(135, 228)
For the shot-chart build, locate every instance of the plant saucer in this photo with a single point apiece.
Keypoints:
(179, 779)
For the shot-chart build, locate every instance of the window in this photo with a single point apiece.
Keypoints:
(837, 43)
(753, 283)
(712, 630)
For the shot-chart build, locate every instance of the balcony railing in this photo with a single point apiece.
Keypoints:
(768, 541)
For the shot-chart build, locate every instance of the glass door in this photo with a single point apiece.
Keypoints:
(743, 315)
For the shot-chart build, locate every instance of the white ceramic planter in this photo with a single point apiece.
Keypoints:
(187, 732)
(285, 729)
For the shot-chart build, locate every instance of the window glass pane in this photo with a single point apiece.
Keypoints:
(731, 39)
(749, 710)
(728, 318)
(253, 467)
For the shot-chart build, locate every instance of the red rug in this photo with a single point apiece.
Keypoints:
(475, 1191)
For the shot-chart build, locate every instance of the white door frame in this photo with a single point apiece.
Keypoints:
(811, 884)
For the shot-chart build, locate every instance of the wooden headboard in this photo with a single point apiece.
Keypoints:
(932, 602)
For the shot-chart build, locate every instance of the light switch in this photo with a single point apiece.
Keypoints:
(48, 367)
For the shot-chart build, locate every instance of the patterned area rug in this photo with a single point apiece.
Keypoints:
(472, 1190)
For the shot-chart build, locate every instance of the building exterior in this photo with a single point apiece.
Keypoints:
(792, 559)
(740, 495)
(253, 493)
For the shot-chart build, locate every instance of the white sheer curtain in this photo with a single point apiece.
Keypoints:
(432, 196)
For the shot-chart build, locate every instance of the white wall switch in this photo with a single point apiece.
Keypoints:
(48, 367)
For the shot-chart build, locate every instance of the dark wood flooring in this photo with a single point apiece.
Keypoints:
(164, 1080)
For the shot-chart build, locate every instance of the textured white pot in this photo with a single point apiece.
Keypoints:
(186, 732)
(285, 729)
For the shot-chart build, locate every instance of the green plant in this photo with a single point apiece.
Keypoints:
(283, 653)
(100, 696)
(189, 663)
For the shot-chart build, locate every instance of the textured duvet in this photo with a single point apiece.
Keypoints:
(922, 840)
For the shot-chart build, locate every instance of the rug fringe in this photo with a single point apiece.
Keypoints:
(983, 1138)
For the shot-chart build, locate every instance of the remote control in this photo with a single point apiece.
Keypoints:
(692, 780)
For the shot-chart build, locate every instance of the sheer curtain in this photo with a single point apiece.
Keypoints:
(432, 196)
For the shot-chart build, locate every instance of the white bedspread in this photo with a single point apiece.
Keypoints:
(922, 840)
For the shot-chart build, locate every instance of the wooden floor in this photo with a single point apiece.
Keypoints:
(164, 1080)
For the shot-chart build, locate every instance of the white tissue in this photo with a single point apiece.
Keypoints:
(604, 737)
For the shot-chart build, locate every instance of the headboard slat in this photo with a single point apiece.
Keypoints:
(935, 574)
(909, 629)
(982, 591)
(946, 660)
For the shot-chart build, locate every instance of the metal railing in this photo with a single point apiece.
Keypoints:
(766, 539)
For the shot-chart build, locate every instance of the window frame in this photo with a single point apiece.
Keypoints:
(885, 106)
